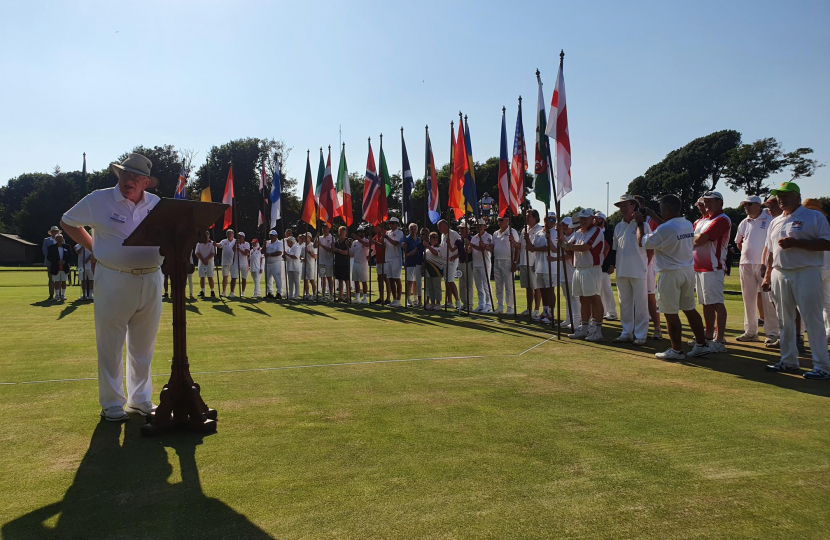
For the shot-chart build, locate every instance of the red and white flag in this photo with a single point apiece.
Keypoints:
(558, 129)
(227, 198)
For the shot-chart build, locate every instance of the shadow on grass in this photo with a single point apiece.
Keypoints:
(71, 307)
(224, 308)
(251, 306)
(744, 360)
(299, 309)
(46, 302)
(123, 491)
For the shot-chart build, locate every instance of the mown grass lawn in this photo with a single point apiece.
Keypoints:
(491, 430)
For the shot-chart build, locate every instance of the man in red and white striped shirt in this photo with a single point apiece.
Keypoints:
(587, 246)
(712, 232)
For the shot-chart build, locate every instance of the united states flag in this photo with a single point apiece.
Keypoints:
(518, 166)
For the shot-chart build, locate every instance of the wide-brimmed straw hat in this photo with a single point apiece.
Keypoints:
(137, 164)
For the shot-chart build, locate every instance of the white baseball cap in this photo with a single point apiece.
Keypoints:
(393, 219)
(712, 195)
(752, 199)
(585, 212)
(272, 233)
(242, 234)
(600, 215)
(480, 221)
(567, 221)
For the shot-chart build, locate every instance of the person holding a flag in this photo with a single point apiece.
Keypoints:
(449, 255)
(481, 245)
(206, 253)
(310, 266)
(505, 260)
(587, 245)
(414, 260)
(274, 263)
(394, 239)
(326, 262)
(292, 268)
(239, 264)
(359, 252)
(227, 245)
(379, 245)
(257, 262)
(527, 263)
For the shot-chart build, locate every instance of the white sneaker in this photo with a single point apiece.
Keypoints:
(232, 295)
(395, 303)
(524, 313)
(702, 350)
(580, 333)
(534, 315)
(458, 305)
(510, 312)
(142, 408)
(544, 320)
(479, 309)
(409, 303)
(595, 335)
(114, 414)
(488, 309)
(670, 354)
(499, 310)
(718, 346)
(622, 338)
(747, 337)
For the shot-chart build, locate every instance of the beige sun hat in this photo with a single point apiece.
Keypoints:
(137, 164)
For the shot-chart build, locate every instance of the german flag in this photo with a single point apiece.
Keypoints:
(309, 207)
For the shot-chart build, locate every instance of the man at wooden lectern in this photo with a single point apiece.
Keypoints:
(128, 285)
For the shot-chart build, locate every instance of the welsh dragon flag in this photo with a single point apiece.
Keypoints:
(541, 182)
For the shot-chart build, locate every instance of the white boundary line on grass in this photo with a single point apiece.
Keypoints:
(305, 366)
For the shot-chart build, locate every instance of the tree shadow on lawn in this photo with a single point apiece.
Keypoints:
(122, 491)
(744, 360)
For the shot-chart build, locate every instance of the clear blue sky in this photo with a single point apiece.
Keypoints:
(642, 78)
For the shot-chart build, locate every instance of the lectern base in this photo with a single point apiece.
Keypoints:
(207, 425)
(180, 407)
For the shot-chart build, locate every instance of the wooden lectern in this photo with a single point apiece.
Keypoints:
(173, 225)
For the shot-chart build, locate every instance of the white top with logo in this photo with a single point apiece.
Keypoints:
(359, 252)
(112, 219)
(502, 250)
(294, 265)
(803, 224)
(673, 243)
(393, 253)
(271, 248)
(529, 256)
(326, 257)
(480, 256)
(752, 235)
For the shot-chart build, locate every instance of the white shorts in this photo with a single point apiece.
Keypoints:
(450, 271)
(527, 279)
(360, 272)
(205, 270)
(226, 269)
(60, 276)
(413, 273)
(393, 269)
(326, 270)
(587, 281)
(86, 273)
(543, 281)
(709, 287)
(651, 279)
(380, 269)
(310, 270)
(676, 290)
(241, 269)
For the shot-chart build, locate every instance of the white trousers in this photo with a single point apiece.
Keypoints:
(256, 277)
(609, 305)
(504, 282)
(825, 278)
(801, 289)
(274, 276)
(293, 285)
(633, 306)
(482, 279)
(126, 307)
(751, 278)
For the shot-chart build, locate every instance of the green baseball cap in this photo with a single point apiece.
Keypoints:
(786, 187)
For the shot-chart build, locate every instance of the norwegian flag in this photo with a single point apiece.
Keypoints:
(518, 166)
(180, 185)
(504, 178)
(371, 189)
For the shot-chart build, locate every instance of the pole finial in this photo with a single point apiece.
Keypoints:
(503, 109)
(537, 73)
(401, 130)
(308, 153)
(344, 146)
(329, 148)
(520, 101)
(561, 57)
(465, 117)
(452, 124)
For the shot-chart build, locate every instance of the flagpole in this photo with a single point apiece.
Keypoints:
(509, 234)
(371, 239)
(317, 222)
(402, 247)
(235, 240)
(549, 173)
(447, 265)
(467, 219)
(85, 281)
(527, 232)
(558, 208)
(426, 220)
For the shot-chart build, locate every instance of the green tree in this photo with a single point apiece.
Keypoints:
(750, 165)
(688, 171)
(13, 194)
(45, 206)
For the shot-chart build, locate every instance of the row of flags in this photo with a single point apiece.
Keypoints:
(330, 197)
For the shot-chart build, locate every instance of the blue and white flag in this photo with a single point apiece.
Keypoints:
(276, 196)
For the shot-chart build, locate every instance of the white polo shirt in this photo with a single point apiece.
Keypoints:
(454, 237)
(542, 264)
(206, 250)
(326, 257)
(479, 256)
(673, 243)
(359, 252)
(525, 255)
(502, 250)
(294, 265)
(227, 251)
(595, 241)
(803, 224)
(271, 248)
(393, 253)
(632, 260)
(256, 259)
(113, 218)
(308, 251)
(752, 235)
(243, 259)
